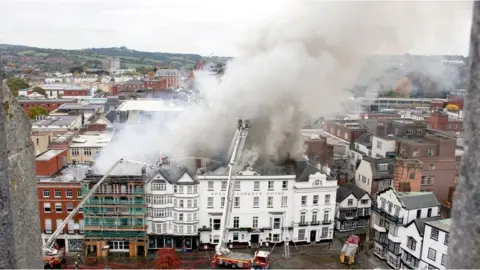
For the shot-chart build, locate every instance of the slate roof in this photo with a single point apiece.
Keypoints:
(417, 200)
(345, 190)
(172, 174)
(420, 223)
(442, 224)
(379, 175)
(305, 169)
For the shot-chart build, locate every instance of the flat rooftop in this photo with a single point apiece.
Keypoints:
(69, 174)
(63, 138)
(405, 121)
(443, 224)
(62, 87)
(149, 105)
(50, 100)
(93, 100)
(93, 140)
(41, 133)
(49, 154)
(313, 133)
(55, 121)
(80, 106)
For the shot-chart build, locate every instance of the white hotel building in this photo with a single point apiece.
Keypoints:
(270, 206)
(172, 209)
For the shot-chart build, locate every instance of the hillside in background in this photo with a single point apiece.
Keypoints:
(59, 59)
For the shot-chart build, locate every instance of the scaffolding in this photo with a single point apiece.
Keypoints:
(116, 212)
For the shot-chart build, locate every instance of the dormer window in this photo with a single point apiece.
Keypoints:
(316, 183)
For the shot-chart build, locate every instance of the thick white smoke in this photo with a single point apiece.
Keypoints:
(298, 64)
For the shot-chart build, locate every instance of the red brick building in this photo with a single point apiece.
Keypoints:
(154, 84)
(407, 175)
(50, 162)
(348, 130)
(56, 200)
(436, 150)
(47, 104)
(157, 84)
(439, 120)
(318, 150)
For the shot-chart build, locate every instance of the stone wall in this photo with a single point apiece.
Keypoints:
(22, 220)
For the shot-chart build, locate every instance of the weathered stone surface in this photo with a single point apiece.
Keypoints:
(25, 251)
(464, 248)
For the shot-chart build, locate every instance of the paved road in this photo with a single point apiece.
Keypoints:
(315, 256)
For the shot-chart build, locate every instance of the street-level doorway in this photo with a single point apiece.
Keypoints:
(313, 236)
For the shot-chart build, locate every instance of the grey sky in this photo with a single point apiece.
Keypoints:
(196, 26)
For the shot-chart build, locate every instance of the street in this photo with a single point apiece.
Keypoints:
(313, 256)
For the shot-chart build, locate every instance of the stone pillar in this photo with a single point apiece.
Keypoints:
(20, 235)
(464, 248)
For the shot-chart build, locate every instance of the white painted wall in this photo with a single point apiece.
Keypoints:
(381, 146)
(189, 196)
(344, 203)
(247, 194)
(290, 213)
(412, 214)
(412, 231)
(439, 246)
(365, 170)
(355, 155)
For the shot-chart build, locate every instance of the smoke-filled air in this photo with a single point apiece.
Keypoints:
(297, 64)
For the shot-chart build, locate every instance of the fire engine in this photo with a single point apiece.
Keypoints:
(349, 250)
(223, 256)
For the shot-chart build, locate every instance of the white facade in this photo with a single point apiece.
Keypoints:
(391, 214)
(363, 176)
(172, 210)
(54, 90)
(357, 154)
(268, 209)
(380, 146)
(435, 244)
(411, 247)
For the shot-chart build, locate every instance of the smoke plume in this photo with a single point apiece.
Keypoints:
(297, 64)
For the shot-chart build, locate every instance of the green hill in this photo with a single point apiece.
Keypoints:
(92, 57)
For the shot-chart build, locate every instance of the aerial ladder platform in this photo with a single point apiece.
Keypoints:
(223, 256)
